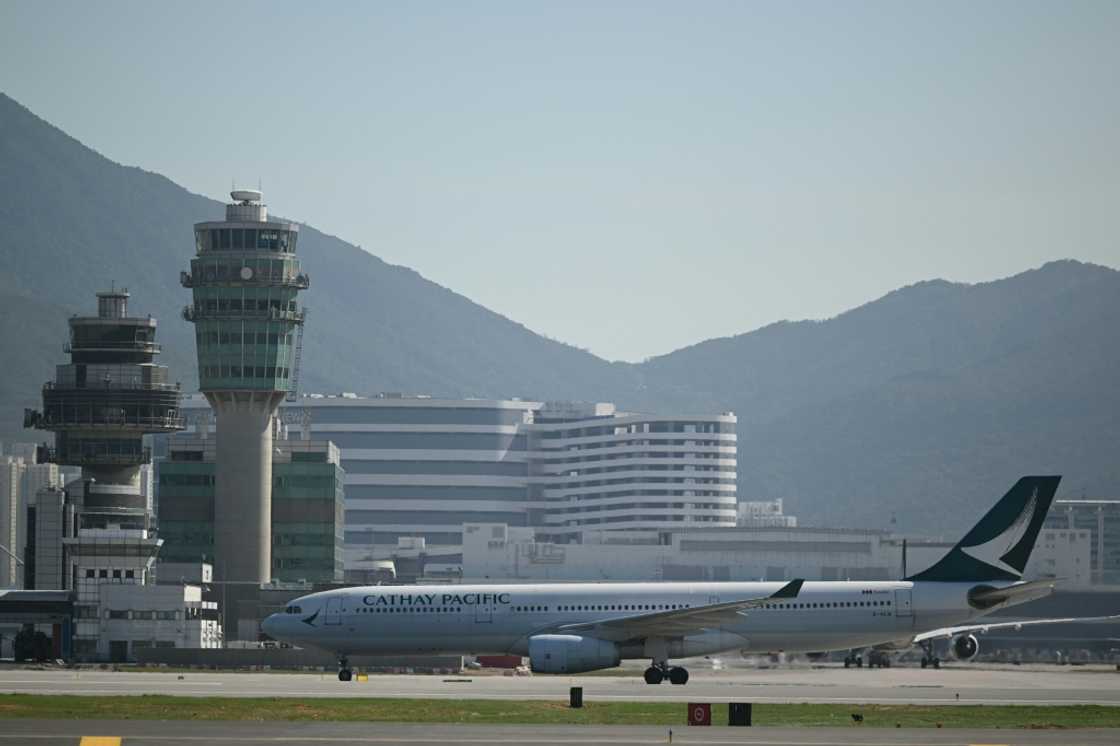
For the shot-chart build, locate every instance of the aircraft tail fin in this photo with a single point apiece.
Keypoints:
(997, 548)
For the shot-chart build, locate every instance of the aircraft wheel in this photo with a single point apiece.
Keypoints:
(345, 674)
(937, 663)
(925, 661)
(653, 675)
(859, 661)
(848, 662)
(678, 676)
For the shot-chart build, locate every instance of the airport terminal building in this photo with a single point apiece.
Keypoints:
(418, 468)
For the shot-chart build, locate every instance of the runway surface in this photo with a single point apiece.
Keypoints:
(963, 685)
(154, 733)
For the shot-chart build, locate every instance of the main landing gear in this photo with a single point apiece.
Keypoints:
(853, 660)
(344, 672)
(658, 672)
(929, 658)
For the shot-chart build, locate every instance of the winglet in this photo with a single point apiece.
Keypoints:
(789, 590)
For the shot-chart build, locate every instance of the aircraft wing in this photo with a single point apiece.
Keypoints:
(947, 632)
(676, 622)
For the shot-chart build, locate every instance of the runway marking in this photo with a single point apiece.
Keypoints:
(100, 741)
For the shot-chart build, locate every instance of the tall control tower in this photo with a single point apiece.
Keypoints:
(245, 279)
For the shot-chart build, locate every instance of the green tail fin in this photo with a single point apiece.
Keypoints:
(998, 547)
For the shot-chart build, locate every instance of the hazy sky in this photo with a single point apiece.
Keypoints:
(626, 177)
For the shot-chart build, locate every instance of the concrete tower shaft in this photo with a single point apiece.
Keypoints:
(245, 278)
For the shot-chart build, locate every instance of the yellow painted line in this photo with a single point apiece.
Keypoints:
(100, 741)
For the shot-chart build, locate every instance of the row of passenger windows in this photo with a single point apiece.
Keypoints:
(243, 371)
(827, 605)
(409, 609)
(626, 607)
(227, 239)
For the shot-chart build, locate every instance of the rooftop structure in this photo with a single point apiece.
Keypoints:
(245, 278)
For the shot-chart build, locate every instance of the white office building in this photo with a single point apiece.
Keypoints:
(133, 616)
(596, 468)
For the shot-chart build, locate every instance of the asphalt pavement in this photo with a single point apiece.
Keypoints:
(156, 733)
(958, 685)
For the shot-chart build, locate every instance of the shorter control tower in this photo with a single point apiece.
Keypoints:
(245, 277)
(100, 406)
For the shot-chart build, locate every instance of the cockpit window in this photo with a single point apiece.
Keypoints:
(293, 610)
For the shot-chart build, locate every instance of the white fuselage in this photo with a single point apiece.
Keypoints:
(500, 619)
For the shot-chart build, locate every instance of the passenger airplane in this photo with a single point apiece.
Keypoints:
(575, 627)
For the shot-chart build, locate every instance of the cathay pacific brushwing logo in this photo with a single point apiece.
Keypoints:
(310, 621)
(993, 551)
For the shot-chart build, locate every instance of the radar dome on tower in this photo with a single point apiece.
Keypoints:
(246, 195)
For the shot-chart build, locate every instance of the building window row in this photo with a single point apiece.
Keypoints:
(103, 574)
(270, 339)
(278, 270)
(245, 239)
(149, 615)
(247, 371)
(246, 305)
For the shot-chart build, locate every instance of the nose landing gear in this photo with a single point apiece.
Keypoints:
(344, 672)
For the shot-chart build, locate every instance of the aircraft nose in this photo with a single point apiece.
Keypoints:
(271, 625)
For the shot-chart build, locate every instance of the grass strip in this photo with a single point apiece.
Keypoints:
(482, 711)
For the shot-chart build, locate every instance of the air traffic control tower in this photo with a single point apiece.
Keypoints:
(245, 277)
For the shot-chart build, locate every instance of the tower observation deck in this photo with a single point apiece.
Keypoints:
(245, 278)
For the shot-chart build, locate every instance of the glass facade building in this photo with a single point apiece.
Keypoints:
(307, 507)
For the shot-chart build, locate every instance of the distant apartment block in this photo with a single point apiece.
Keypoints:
(418, 468)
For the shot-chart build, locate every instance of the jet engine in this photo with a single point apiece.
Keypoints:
(965, 647)
(571, 654)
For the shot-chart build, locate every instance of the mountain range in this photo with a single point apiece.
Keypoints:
(924, 404)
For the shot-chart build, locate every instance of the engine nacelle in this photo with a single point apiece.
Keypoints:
(571, 654)
(965, 647)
